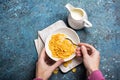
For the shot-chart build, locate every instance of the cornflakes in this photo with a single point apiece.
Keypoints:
(74, 70)
(60, 47)
(65, 64)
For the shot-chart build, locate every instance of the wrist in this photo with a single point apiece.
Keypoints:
(92, 70)
(41, 77)
(38, 79)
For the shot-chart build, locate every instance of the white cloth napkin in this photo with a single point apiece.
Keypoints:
(43, 34)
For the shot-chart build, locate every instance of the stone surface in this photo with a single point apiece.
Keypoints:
(21, 19)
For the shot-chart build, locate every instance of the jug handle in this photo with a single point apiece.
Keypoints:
(87, 23)
(69, 6)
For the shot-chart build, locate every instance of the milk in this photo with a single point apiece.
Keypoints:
(76, 14)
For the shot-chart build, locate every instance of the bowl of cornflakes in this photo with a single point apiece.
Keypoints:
(58, 47)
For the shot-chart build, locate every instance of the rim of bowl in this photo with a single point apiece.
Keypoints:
(48, 51)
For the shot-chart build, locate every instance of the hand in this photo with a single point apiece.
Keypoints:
(91, 57)
(43, 68)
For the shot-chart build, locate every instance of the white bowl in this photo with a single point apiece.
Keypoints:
(70, 33)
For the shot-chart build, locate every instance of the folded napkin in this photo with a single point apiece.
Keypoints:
(43, 34)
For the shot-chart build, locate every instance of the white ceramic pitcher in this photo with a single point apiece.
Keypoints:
(77, 18)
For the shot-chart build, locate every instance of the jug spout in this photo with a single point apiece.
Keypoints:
(69, 7)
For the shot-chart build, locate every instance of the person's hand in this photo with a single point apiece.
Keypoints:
(43, 68)
(91, 57)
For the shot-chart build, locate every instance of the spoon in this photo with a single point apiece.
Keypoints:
(77, 44)
(71, 41)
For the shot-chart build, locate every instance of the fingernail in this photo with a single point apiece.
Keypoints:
(78, 54)
(78, 48)
(82, 46)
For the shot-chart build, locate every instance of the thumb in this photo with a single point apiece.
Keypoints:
(84, 51)
(58, 63)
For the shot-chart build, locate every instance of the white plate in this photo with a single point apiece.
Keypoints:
(67, 31)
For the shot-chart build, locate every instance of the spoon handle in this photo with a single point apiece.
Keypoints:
(71, 41)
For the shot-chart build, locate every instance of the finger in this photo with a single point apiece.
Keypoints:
(58, 63)
(84, 51)
(78, 49)
(88, 46)
(79, 54)
(42, 55)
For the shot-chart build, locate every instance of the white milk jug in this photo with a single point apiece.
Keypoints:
(77, 18)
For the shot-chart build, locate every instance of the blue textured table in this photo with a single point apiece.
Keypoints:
(21, 19)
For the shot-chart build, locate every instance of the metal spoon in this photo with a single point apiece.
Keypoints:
(77, 44)
(71, 41)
